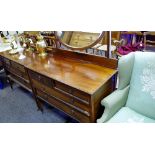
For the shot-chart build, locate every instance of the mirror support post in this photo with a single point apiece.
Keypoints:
(108, 43)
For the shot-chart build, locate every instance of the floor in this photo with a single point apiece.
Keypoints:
(18, 106)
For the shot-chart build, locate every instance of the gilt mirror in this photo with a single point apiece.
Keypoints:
(79, 40)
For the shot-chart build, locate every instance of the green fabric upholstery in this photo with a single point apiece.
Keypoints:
(136, 91)
(113, 103)
(142, 85)
(125, 66)
(127, 115)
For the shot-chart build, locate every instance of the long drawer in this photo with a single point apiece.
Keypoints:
(78, 114)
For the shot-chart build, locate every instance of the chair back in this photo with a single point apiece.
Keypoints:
(141, 96)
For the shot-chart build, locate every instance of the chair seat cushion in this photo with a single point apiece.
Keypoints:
(127, 115)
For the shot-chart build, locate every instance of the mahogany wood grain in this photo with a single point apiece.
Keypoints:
(72, 82)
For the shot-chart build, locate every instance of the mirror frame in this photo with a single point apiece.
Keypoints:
(81, 48)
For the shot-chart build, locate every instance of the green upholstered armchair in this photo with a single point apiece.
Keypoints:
(134, 100)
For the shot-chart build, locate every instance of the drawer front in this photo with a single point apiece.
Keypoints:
(21, 81)
(52, 92)
(76, 93)
(18, 72)
(0, 63)
(18, 67)
(65, 108)
(44, 80)
(6, 62)
(62, 96)
(82, 96)
(62, 87)
(1, 59)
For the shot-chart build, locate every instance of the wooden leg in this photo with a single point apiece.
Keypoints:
(10, 83)
(39, 104)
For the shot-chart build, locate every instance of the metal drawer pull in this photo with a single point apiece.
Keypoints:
(72, 111)
(72, 100)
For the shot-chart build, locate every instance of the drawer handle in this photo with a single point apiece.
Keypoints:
(72, 111)
(39, 77)
(72, 100)
(70, 91)
(46, 97)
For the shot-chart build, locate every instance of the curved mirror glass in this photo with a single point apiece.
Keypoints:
(79, 39)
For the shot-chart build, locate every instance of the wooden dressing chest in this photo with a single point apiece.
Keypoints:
(73, 82)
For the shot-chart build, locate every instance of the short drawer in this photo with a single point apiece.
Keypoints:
(18, 67)
(81, 105)
(0, 63)
(62, 87)
(6, 62)
(18, 73)
(77, 114)
(44, 80)
(81, 95)
(27, 84)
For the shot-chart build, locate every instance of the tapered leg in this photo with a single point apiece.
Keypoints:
(10, 83)
(39, 104)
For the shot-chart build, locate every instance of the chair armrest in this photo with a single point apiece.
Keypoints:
(113, 103)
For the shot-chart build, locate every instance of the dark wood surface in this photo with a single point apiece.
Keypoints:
(72, 82)
(0, 63)
(82, 75)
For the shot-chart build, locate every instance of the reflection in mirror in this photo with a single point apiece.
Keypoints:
(79, 39)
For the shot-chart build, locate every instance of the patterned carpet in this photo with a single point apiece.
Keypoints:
(18, 106)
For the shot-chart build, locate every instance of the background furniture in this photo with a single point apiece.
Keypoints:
(134, 100)
(111, 39)
(50, 39)
(149, 41)
(130, 41)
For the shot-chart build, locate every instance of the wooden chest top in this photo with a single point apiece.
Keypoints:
(82, 75)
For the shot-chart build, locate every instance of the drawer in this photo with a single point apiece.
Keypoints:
(80, 116)
(18, 72)
(21, 81)
(78, 94)
(62, 87)
(44, 80)
(81, 105)
(81, 95)
(52, 92)
(6, 62)
(18, 67)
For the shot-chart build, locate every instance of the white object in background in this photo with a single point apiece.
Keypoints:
(22, 56)
(14, 44)
(5, 47)
(11, 33)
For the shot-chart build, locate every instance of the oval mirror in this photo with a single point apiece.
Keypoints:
(79, 40)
